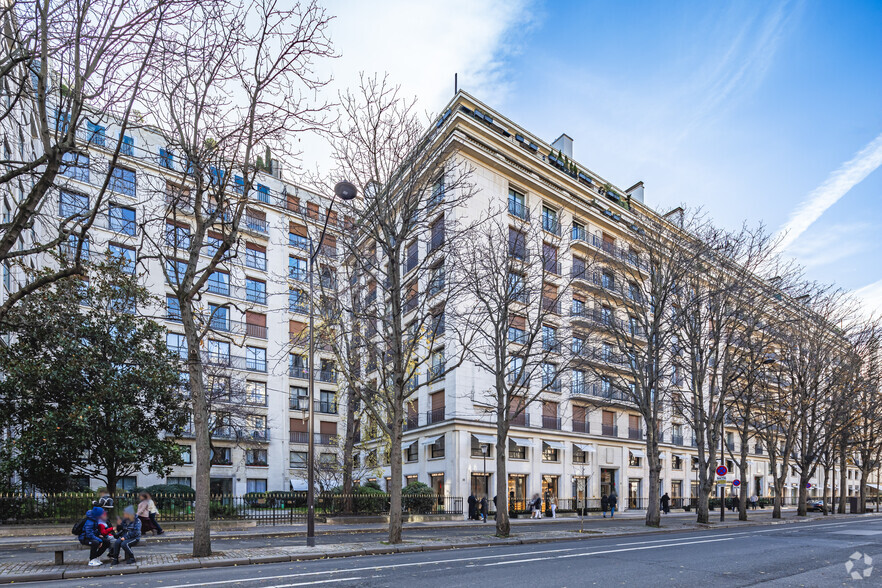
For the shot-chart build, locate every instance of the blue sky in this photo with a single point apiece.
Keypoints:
(759, 111)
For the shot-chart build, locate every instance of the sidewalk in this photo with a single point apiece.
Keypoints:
(418, 537)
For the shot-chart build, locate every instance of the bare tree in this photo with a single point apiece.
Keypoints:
(230, 84)
(69, 73)
(515, 285)
(405, 225)
(633, 317)
(863, 383)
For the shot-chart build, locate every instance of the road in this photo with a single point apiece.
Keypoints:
(801, 554)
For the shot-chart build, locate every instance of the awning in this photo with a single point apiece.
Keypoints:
(874, 486)
(637, 453)
(298, 485)
(663, 455)
(431, 440)
(522, 442)
(485, 439)
(586, 447)
(406, 444)
(680, 455)
(554, 444)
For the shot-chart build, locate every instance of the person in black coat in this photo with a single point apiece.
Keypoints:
(484, 508)
(613, 502)
(604, 504)
(472, 507)
(666, 503)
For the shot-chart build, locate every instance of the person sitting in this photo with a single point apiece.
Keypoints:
(128, 534)
(91, 537)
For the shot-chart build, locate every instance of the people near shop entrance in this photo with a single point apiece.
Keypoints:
(535, 507)
(666, 503)
(613, 502)
(753, 501)
(473, 502)
(552, 503)
(604, 504)
(90, 535)
(128, 533)
(484, 508)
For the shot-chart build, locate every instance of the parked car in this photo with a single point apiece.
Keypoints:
(814, 505)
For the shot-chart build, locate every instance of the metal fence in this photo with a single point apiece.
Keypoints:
(266, 508)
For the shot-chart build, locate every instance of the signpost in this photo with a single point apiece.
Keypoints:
(736, 483)
(721, 484)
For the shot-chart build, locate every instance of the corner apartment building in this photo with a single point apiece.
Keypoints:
(579, 441)
(258, 303)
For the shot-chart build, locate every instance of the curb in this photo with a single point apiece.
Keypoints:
(390, 550)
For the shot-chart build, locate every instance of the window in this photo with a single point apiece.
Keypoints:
(437, 234)
(177, 343)
(95, 133)
(677, 462)
(437, 192)
(124, 255)
(255, 291)
(298, 366)
(516, 329)
(578, 382)
(297, 269)
(437, 365)
(578, 232)
(549, 338)
(517, 287)
(256, 485)
(516, 451)
(298, 301)
(327, 459)
(186, 453)
(550, 221)
(299, 398)
(69, 248)
(579, 455)
(177, 235)
(437, 448)
(127, 483)
(127, 147)
(412, 256)
(256, 457)
(517, 204)
(633, 460)
(122, 181)
(549, 376)
(75, 165)
(255, 256)
(550, 453)
(73, 204)
(608, 281)
(516, 371)
(297, 237)
(255, 359)
(255, 393)
(172, 308)
(478, 448)
(179, 481)
(578, 267)
(221, 456)
(219, 283)
(218, 352)
(297, 459)
(262, 194)
(517, 244)
(413, 452)
(577, 345)
(166, 159)
(549, 259)
(436, 281)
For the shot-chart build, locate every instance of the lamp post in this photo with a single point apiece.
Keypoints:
(345, 191)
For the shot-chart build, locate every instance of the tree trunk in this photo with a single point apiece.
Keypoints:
(395, 482)
(843, 469)
(653, 509)
(111, 481)
(824, 490)
(503, 525)
(862, 504)
(779, 489)
(801, 509)
(348, 450)
(202, 432)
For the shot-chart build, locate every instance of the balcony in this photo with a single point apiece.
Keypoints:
(235, 362)
(518, 209)
(551, 305)
(758, 450)
(298, 372)
(411, 422)
(255, 224)
(329, 376)
(260, 435)
(636, 434)
(553, 267)
(325, 406)
(521, 420)
(436, 371)
(435, 416)
(677, 439)
(319, 438)
(581, 426)
(609, 430)
(258, 331)
(550, 422)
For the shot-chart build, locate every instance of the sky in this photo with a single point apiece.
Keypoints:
(765, 112)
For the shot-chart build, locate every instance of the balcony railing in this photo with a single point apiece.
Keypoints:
(581, 426)
(411, 422)
(329, 376)
(677, 439)
(550, 422)
(257, 225)
(635, 433)
(435, 416)
(551, 305)
(521, 420)
(551, 225)
(609, 430)
(319, 438)
(298, 372)
(325, 406)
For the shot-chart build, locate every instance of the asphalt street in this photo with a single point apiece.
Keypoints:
(802, 554)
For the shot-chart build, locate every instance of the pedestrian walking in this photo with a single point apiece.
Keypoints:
(153, 512)
(495, 508)
(553, 504)
(484, 508)
(534, 507)
(143, 513)
(666, 503)
(128, 534)
(613, 501)
(604, 504)
(472, 506)
(753, 501)
(90, 535)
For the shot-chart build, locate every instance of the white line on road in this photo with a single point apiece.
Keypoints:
(309, 583)
(605, 551)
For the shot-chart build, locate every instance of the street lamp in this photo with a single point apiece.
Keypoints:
(344, 191)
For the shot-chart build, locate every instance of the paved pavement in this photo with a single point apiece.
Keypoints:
(811, 553)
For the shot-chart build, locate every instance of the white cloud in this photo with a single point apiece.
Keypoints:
(834, 187)
(834, 243)
(871, 298)
(421, 45)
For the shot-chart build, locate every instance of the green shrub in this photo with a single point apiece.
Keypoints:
(417, 498)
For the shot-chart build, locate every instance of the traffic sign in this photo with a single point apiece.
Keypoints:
(722, 470)
(808, 484)
(736, 483)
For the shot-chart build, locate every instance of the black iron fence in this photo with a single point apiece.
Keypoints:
(266, 508)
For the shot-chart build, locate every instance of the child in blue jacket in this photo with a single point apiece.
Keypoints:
(91, 535)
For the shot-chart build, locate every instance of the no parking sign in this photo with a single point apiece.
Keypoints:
(736, 483)
(722, 471)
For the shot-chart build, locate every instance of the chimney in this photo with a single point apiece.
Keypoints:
(564, 144)
(636, 192)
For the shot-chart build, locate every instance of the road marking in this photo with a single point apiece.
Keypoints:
(307, 583)
(680, 539)
(605, 551)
